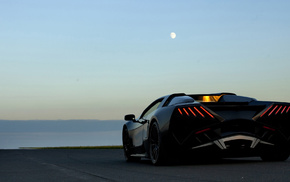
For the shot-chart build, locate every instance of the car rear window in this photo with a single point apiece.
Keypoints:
(180, 100)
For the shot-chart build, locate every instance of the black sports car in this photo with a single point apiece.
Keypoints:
(222, 124)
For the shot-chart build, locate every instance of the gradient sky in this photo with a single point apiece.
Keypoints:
(72, 59)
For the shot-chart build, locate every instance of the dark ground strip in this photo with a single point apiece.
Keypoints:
(109, 165)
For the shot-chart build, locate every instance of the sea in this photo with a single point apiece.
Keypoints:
(16, 134)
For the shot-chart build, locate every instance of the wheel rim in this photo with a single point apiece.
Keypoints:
(154, 143)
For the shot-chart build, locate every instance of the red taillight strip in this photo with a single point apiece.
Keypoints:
(288, 109)
(192, 111)
(201, 131)
(266, 127)
(180, 111)
(206, 111)
(266, 110)
(278, 110)
(198, 111)
(185, 111)
(283, 109)
(272, 111)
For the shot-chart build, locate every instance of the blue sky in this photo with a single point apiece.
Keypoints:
(103, 59)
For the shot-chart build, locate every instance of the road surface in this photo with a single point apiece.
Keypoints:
(108, 165)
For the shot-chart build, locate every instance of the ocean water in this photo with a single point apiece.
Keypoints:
(15, 140)
(18, 134)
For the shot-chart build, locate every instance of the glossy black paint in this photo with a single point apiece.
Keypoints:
(231, 125)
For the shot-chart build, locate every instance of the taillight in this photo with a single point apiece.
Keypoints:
(266, 127)
(275, 109)
(195, 111)
(201, 131)
(272, 111)
(191, 111)
(207, 112)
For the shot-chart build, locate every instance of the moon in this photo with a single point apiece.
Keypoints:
(172, 35)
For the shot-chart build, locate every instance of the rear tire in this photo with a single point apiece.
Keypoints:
(157, 150)
(127, 145)
(277, 154)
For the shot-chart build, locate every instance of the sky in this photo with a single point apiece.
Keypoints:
(72, 59)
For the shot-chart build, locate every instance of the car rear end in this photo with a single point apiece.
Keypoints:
(231, 127)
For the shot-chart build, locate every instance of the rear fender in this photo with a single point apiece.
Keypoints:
(135, 133)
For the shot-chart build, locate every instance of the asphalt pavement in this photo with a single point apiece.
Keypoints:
(109, 165)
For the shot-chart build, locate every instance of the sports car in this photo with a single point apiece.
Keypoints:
(204, 125)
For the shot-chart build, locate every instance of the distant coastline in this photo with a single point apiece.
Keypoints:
(77, 147)
(16, 134)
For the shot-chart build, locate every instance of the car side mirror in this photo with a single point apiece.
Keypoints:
(130, 117)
